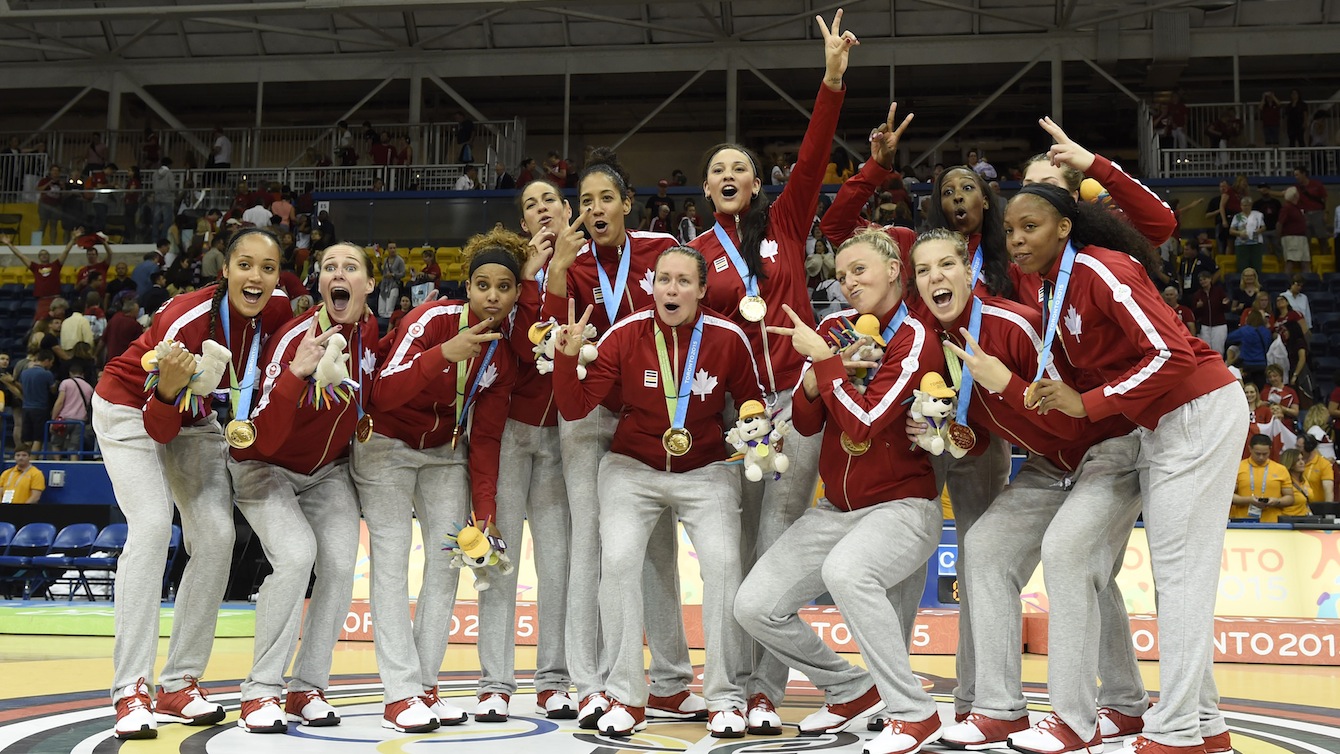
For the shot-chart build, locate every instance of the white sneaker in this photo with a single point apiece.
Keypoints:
(904, 737)
(726, 724)
(262, 715)
(188, 705)
(310, 708)
(834, 718)
(491, 708)
(981, 732)
(593, 707)
(763, 717)
(409, 716)
(134, 713)
(1054, 736)
(556, 705)
(622, 720)
(446, 712)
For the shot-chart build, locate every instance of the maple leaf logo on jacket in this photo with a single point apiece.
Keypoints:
(488, 377)
(1073, 323)
(368, 364)
(768, 249)
(703, 384)
(646, 282)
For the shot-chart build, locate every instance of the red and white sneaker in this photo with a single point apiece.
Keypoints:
(904, 737)
(1053, 736)
(262, 715)
(556, 705)
(1220, 743)
(446, 712)
(409, 716)
(592, 708)
(622, 720)
(685, 705)
(875, 723)
(310, 708)
(982, 732)
(729, 723)
(1115, 725)
(492, 708)
(134, 713)
(187, 705)
(1142, 745)
(836, 717)
(763, 718)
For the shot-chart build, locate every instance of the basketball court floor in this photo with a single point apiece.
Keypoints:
(53, 698)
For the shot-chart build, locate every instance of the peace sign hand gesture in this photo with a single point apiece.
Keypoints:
(836, 46)
(1065, 151)
(466, 344)
(572, 336)
(310, 351)
(986, 370)
(804, 339)
(569, 242)
(884, 140)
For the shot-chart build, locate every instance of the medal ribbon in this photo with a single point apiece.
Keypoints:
(737, 261)
(1052, 308)
(240, 394)
(965, 379)
(677, 406)
(887, 335)
(612, 298)
(464, 399)
(976, 271)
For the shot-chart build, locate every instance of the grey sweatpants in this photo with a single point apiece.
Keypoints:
(707, 500)
(1188, 468)
(857, 556)
(768, 508)
(973, 482)
(148, 478)
(1080, 535)
(396, 481)
(585, 442)
(302, 521)
(530, 486)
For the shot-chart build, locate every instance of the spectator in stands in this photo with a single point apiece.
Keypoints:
(381, 150)
(24, 482)
(1284, 313)
(1271, 111)
(157, 295)
(122, 328)
(220, 156)
(1277, 393)
(1222, 131)
(181, 274)
(75, 327)
(404, 153)
(393, 266)
(1312, 200)
(661, 223)
(977, 161)
(212, 261)
(1299, 371)
(1263, 489)
(781, 169)
(1292, 459)
(528, 172)
(1248, 231)
(1179, 112)
(1244, 296)
(1269, 207)
(652, 210)
(1184, 313)
(345, 153)
(95, 157)
(690, 226)
(556, 169)
(1252, 341)
(50, 199)
(400, 312)
(1185, 272)
(468, 180)
(1221, 209)
(38, 383)
(305, 203)
(73, 398)
(258, 215)
(1210, 307)
(302, 304)
(431, 272)
(1318, 471)
(1260, 304)
(283, 209)
(502, 180)
(143, 273)
(11, 392)
(465, 135)
(46, 273)
(1295, 118)
(164, 200)
(121, 284)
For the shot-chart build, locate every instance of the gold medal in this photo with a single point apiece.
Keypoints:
(240, 434)
(149, 360)
(962, 436)
(364, 431)
(753, 308)
(677, 441)
(854, 448)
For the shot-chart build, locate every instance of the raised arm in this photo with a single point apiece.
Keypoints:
(5, 239)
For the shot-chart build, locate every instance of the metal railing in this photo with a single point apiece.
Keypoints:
(19, 174)
(1199, 163)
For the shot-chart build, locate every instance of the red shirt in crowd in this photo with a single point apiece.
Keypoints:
(46, 278)
(122, 330)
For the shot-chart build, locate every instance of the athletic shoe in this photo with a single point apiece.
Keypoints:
(262, 715)
(188, 705)
(556, 705)
(1142, 745)
(310, 708)
(446, 712)
(592, 708)
(1053, 736)
(1221, 743)
(685, 705)
(1116, 725)
(982, 732)
(134, 713)
(729, 723)
(409, 716)
(836, 717)
(875, 723)
(491, 708)
(763, 717)
(904, 737)
(622, 720)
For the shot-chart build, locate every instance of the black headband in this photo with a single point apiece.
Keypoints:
(1053, 195)
(496, 256)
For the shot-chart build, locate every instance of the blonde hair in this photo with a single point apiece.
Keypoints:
(881, 242)
(943, 234)
(1317, 416)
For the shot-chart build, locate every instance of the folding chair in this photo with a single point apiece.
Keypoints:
(112, 539)
(72, 542)
(16, 564)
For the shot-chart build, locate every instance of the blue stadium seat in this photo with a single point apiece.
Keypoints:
(16, 564)
(11, 291)
(1328, 322)
(72, 542)
(1320, 342)
(6, 534)
(1275, 283)
(1325, 366)
(112, 540)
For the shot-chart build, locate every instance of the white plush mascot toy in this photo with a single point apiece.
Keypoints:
(333, 368)
(209, 368)
(761, 442)
(479, 549)
(545, 337)
(935, 404)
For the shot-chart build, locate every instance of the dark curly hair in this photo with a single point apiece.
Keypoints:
(1092, 225)
(995, 258)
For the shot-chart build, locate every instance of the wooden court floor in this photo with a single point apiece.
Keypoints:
(54, 699)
